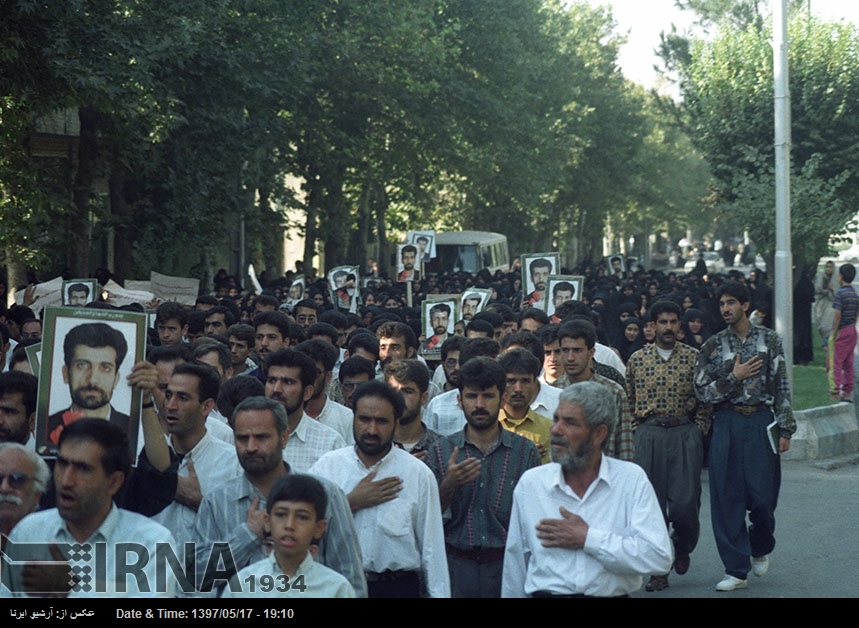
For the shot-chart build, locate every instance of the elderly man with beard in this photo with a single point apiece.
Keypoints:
(402, 537)
(586, 525)
(477, 469)
(234, 513)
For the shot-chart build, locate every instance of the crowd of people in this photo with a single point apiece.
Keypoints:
(304, 449)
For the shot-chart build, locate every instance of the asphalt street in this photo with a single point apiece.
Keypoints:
(817, 539)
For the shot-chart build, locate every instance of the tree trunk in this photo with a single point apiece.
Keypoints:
(79, 223)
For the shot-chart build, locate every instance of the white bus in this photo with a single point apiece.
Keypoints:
(469, 251)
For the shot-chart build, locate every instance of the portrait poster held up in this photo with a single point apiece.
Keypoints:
(407, 262)
(341, 281)
(79, 292)
(425, 242)
(87, 355)
(472, 301)
(536, 268)
(438, 316)
(561, 288)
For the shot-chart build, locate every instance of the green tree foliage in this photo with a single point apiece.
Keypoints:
(728, 96)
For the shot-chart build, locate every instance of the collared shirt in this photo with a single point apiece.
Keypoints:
(659, 387)
(626, 540)
(546, 401)
(424, 443)
(479, 514)
(308, 442)
(535, 427)
(715, 381)
(443, 413)
(339, 418)
(120, 526)
(215, 463)
(223, 518)
(621, 442)
(405, 533)
(319, 580)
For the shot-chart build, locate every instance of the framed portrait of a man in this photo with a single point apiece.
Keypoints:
(616, 264)
(407, 262)
(438, 316)
(425, 242)
(536, 268)
(79, 292)
(561, 288)
(295, 293)
(341, 280)
(86, 359)
(472, 301)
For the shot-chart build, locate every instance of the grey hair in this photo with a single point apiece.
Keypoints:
(43, 474)
(264, 403)
(597, 402)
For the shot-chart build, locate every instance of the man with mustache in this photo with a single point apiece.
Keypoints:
(24, 477)
(92, 355)
(477, 469)
(743, 372)
(540, 269)
(586, 525)
(671, 423)
(521, 371)
(401, 532)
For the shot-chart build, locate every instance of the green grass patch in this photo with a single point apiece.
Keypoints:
(810, 389)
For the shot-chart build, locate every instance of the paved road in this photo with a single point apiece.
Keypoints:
(817, 539)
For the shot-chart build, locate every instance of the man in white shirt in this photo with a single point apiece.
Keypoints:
(188, 400)
(319, 407)
(586, 525)
(399, 524)
(93, 461)
(289, 379)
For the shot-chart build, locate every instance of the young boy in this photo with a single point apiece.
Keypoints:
(295, 507)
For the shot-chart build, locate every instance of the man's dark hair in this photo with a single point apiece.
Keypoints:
(78, 287)
(112, 439)
(520, 361)
(573, 307)
(579, 328)
(355, 366)
(409, 248)
(334, 318)
(242, 332)
(563, 285)
(94, 335)
(235, 390)
(267, 300)
(504, 311)
(480, 325)
(482, 373)
(208, 380)
(493, 318)
(24, 383)
(440, 307)
(179, 352)
(20, 313)
(847, 272)
(323, 329)
(540, 262)
(664, 306)
(225, 359)
(739, 291)
(197, 322)
(229, 317)
(476, 347)
(548, 333)
(532, 312)
(363, 339)
(206, 299)
(308, 303)
(394, 329)
(274, 318)
(422, 238)
(525, 340)
(409, 371)
(380, 390)
(298, 487)
(453, 343)
(170, 310)
(4, 333)
(320, 351)
(290, 358)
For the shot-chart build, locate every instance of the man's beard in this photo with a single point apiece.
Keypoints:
(373, 445)
(409, 416)
(573, 462)
(80, 400)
